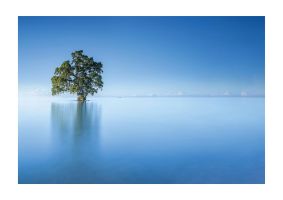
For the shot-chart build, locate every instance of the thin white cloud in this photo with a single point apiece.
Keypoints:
(226, 93)
(244, 94)
(34, 91)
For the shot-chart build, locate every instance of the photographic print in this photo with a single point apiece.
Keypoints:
(141, 100)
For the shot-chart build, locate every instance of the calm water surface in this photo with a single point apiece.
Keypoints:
(141, 140)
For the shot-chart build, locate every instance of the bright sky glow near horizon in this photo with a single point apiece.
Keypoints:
(149, 55)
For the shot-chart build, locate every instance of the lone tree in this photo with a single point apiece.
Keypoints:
(81, 76)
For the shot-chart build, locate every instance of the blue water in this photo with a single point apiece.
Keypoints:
(141, 140)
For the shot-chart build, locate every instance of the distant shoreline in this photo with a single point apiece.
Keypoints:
(152, 96)
(189, 96)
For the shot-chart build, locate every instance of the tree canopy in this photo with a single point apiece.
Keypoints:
(81, 76)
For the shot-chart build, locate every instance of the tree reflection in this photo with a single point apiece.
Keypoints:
(76, 123)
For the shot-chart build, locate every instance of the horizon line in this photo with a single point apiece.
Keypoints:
(149, 96)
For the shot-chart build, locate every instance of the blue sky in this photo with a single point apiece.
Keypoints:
(149, 55)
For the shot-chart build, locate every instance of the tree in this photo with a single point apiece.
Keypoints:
(81, 76)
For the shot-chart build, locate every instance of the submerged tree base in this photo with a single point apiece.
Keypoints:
(81, 98)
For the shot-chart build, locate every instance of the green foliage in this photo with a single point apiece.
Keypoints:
(81, 76)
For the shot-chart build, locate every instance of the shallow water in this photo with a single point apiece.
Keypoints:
(141, 140)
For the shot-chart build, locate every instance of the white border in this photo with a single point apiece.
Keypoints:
(10, 10)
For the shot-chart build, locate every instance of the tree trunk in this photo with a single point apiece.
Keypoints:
(81, 98)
